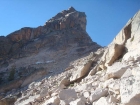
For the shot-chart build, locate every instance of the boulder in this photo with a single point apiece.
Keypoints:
(64, 82)
(62, 102)
(116, 70)
(53, 101)
(127, 73)
(111, 54)
(84, 86)
(112, 99)
(77, 102)
(93, 71)
(129, 89)
(25, 100)
(107, 82)
(86, 94)
(136, 71)
(113, 85)
(82, 71)
(115, 88)
(67, 95)
(98, 94)
(101, 101)
(114, 53)
(44, 92)
(133, 55)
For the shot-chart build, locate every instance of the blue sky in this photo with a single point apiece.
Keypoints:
(105, 18)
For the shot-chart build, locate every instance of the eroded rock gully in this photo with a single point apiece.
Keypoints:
(105, 80)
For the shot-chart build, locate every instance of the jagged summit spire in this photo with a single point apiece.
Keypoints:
(71, 9)
(67, 19)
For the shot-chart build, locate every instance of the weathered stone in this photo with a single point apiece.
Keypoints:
(108, 82)
(31, 85)
(113, 85)
(98, 94)
(84, 86)
(62, 86)
(112, 99)
(26, 99)
(101, 101)
(63, 102)
(116, 70)
(112, 53)
(86, 94)
(93, 71)
(127, 73)
(136, 71)
(133, 55)
(77, 102)
(68, 95)
(44, 92)
(53, 101)
(64, 82)
(82, 71)
(130, 91)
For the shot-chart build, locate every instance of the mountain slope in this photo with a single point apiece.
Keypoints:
(31, 53)
(109, 76)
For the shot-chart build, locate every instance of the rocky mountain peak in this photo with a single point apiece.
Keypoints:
(62, 14)
(31, 53)
(71, 9)
(65, 20)
(68, 19)
(67, 74)
(68, 25)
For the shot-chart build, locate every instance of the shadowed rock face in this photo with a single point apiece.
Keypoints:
(51, 47)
